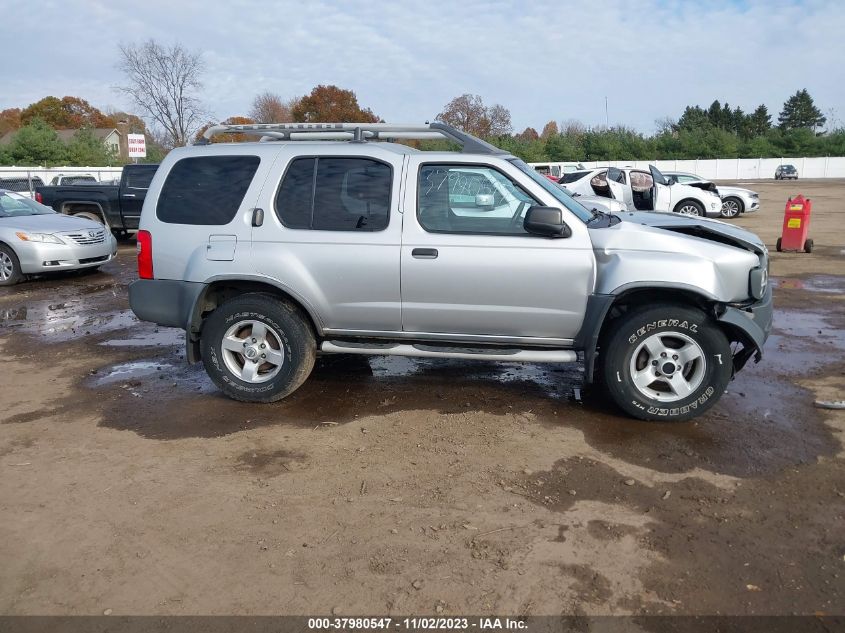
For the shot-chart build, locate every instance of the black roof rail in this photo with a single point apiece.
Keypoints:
(358, 132)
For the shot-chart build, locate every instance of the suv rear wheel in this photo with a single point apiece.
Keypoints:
(666, 363)
(257, 348)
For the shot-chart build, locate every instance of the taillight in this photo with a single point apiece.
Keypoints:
(145, 254)
(39, 197)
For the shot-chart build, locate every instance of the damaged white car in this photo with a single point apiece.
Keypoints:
(643, 190)
(735, 200)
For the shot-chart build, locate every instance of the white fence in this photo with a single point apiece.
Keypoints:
(47, 174)
(734, 168)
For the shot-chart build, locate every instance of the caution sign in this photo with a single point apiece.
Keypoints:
(793, 223)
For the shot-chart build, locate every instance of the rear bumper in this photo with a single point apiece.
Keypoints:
(166, 302)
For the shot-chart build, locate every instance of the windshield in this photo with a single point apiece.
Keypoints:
(559, 193)
(13, 205)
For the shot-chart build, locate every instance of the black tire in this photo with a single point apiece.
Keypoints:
(706, 375)
(289, 338)
(10, 267)
(778, 247)
(732, 207)
(808, 246)
(688, 205)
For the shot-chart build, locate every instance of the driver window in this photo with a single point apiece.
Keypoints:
(470, 199)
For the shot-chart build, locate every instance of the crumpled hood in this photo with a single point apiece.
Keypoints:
(698, 227)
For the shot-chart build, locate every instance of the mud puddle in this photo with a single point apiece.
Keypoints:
(64, 320)
(832, 284)
(129, 371)
(158, 337)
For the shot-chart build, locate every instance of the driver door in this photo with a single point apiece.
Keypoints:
(469, 268)
(660, 192)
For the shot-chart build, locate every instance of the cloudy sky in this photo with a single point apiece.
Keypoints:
(405, 60)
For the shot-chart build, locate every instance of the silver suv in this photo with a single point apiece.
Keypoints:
(333, 238)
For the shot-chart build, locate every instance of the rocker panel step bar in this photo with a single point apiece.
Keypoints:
(430, 351)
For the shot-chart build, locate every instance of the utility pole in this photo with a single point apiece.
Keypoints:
(606, 120)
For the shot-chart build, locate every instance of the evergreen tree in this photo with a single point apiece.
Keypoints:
(799, 111)
(37, 144)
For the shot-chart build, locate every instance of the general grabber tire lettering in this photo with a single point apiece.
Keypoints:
(666, 362)
(258, 348)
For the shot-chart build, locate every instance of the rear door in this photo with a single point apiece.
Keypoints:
(331, 236)
(134, 183)
(469, 268)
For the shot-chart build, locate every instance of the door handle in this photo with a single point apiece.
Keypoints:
(128, 195)
(424, 253)
(257, 217)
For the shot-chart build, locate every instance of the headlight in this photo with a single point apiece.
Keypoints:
(38, 237)
(758, 282)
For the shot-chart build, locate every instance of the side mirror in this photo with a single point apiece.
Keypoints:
(546, 221)
(485, 200)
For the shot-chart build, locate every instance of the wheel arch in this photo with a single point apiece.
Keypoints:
(219, 291)
(72, 207)
(681, 202)
(605, 309)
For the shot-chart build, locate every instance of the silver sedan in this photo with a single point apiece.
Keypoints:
(35, 239)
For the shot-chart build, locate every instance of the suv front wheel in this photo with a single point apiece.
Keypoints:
(257, 348)
(666, 363)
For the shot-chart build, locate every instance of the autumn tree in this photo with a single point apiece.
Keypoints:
(550, 129)
(799, 111)
(10, 120)
(164, 82)
(271, 108)
(468, 113)
(228, 138)
(528, 134)
(67, 113)
(331, 104)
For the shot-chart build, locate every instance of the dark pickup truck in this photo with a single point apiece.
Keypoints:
(116, 206)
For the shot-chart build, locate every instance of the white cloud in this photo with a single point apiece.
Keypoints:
(405, 60)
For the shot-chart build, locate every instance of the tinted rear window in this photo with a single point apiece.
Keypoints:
(206, 190)
(335, 194)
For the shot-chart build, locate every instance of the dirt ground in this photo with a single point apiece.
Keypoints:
(399, 486)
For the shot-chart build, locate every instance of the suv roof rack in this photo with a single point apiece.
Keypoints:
(355, 132)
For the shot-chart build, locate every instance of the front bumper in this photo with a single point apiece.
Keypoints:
(713, 208)
(753, 323)
(40, 257)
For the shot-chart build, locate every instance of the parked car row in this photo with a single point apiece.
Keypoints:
(678, 192)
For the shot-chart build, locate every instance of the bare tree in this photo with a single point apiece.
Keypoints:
(269, 107)
(163, 82)
(500, 120)
(468, 113)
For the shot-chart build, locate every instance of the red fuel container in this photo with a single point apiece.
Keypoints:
(796, 224)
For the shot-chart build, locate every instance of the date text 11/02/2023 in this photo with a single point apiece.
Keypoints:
(417, 624)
